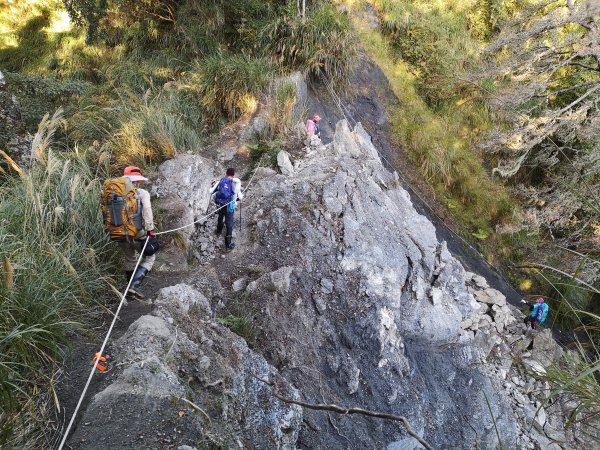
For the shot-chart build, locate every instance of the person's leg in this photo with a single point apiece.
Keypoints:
(129, 255)
(228, 228)
(220, 218)
(144, 267)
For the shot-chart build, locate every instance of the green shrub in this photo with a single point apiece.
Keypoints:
(231, 84)
(282, 100)
(324, 40)
(40, 95)
(240, 317)
(55, 258)
(433, 38)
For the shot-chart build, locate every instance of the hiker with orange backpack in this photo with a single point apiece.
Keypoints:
(129, 220)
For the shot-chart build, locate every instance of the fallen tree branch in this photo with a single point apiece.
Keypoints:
(543, 266)
(341, 410)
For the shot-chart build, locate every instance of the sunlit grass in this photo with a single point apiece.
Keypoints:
(54, 259)
(441, 141)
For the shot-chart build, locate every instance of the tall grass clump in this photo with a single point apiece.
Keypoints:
(231, 84)
(437, 119)
(54, 257)
(136, 129)
(321, 41)
(282, 100)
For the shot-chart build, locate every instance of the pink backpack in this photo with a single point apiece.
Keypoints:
(310, 127)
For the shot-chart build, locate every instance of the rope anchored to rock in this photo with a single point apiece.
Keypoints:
(98, 358)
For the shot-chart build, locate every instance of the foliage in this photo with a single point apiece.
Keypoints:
(41, 95)
(546, 67)
(440, 140)
(87, 12)
(240, 317)
(323, 41)
(282, 98)
(231, 84)
(432, 38)
(55, 257)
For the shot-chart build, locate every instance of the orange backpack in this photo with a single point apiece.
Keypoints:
(121, 209)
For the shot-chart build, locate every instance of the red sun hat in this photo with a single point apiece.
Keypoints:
(134, 173)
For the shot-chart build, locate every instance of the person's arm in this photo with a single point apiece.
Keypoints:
(147, 215)
(237, 189)
(214, 187)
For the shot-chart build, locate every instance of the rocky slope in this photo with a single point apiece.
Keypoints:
(14, 138)
(355, 301)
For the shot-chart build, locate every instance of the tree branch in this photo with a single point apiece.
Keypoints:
(341, 410)
(543, 266)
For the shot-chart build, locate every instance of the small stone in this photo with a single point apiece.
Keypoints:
(320, 304)
(326, 285)
(480, 282)
(491, 297)
(284, 163)
(239, 284)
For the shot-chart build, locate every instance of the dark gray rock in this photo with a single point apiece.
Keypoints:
(14, 138)
(191, 378)
(384, 328)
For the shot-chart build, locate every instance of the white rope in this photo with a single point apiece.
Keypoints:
(89, 380)
(116, 315)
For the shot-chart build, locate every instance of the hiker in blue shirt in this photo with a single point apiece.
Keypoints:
(228, 190)
(538, 312)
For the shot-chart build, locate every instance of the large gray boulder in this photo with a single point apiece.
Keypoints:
(182, 190)
(371, 313)
(182, 379)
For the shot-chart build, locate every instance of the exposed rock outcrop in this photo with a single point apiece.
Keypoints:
(363, 306)
(369, 309)
(14, 138)
(187, 381)
(356, 303)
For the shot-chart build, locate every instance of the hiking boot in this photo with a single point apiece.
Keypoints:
(230, 246)
(135, 294)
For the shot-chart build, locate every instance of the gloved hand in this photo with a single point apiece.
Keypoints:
(523, 301)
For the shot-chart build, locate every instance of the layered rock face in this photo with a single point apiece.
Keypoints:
(365, 307)
(355, 303)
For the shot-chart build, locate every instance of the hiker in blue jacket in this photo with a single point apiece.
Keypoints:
(538, 312)
(228, 190)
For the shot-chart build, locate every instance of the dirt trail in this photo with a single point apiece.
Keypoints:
(78, 362)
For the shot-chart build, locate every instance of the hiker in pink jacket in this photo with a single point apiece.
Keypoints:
(313, 127)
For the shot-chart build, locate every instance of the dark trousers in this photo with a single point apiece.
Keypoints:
(225, 214)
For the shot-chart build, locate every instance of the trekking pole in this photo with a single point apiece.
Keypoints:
(240, 217)
(208, 206)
